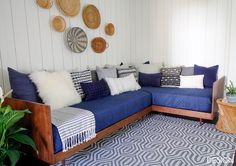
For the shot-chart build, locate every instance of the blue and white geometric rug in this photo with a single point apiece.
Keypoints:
(160, 140)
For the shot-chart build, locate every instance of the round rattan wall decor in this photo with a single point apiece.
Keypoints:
(59, 24)
(99, 45)
(76, 39)
(46, 4)
(69, 7)
(91, 17)
(110, 29)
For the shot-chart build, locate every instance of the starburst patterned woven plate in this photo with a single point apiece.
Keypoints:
(76, 39)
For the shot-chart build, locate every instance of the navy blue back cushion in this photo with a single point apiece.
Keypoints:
(95, 90)
(153, 80)
(23, 87)
(210, 74)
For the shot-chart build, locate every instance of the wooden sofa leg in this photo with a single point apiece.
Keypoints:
(63, 162)
(201, 122)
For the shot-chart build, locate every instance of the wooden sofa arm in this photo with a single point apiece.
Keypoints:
(39, 124)
(218, 91)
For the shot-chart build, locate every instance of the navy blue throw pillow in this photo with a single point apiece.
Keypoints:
(95, 90)
(153, 80)
(23, 87)
(210, 74)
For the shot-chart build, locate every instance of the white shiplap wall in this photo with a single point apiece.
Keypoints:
(187, 32)
(177, 32)
(232, 58)
(28, 42)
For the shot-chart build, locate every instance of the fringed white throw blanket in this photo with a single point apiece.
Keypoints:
(74, 125)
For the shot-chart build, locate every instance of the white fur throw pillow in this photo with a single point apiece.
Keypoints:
(124, 84)
(56, 89)
(194, 81)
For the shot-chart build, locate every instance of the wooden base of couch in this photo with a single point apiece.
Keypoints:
(182, 112)
(63, 155)
(39, 123)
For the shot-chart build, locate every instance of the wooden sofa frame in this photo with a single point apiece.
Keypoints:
(39, 123)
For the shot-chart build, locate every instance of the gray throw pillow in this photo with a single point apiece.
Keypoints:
(106, 73)
(187, 71)
(94, 75)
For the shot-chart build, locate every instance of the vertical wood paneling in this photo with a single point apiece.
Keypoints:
(177, 32)
(183, 32)
(46, 39)
(1, 72)
(21, 35)
(83, 58)
(29, 42)
(7, 42)
(33, 29)
(232, 40)
(56, 41)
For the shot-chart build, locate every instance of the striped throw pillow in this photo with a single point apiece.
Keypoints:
(79, 77)
(123, 72)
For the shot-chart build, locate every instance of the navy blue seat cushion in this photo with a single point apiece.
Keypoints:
(95, 90)
(153, 80)
(191, 99)
(23, 87)
(109, 110)
(210, 74)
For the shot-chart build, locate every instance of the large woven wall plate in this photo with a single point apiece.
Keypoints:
(99, 45)
(91, 17)
(46, 4)
(76, 39)
(59, 24)
(69, 7)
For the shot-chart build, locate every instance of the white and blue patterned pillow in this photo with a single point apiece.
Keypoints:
(170, 76)
(79, 77)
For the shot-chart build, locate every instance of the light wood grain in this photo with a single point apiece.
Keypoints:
(39, 125)
(227, 117)
(182, 112)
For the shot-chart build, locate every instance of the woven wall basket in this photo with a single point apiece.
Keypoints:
(110, 29)
(46, 4)
(76, 39)
(59, 24)
(69, 7)
(99, 45)
(91, 17)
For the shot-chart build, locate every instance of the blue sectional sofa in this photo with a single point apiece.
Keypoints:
(114, 112)
(112, 109)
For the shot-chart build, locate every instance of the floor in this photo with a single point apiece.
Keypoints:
(160, 140)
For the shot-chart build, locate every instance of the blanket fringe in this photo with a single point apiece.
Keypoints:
(77, 139)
